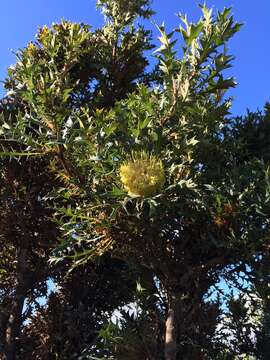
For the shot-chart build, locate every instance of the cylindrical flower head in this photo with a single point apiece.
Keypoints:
(142, 175)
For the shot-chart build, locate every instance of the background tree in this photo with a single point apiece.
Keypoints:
(250, 312)
(27, 238)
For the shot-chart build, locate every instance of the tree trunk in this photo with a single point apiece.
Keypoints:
(171, 329)
(14, 325)
(15, 317)
(3, 327)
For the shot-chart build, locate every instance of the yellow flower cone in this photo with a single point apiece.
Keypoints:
(142, 175)
(31, 48)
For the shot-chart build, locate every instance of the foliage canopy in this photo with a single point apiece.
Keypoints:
(141, 169)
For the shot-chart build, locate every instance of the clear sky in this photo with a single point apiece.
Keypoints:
(19, 20)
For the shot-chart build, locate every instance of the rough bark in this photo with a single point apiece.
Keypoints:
(3, 326)
(15, 317)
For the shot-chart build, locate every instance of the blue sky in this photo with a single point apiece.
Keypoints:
(19, 21)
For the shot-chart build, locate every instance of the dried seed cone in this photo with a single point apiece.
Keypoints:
(142, 175)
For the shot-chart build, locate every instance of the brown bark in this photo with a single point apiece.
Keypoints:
(3, 326)
(15, 317)
(170, 349)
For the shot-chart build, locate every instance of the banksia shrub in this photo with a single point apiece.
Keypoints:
(142, 175)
